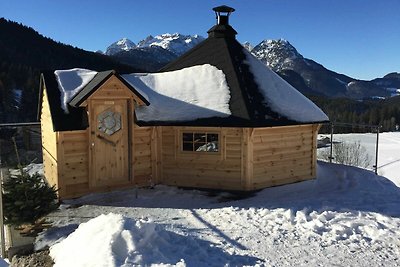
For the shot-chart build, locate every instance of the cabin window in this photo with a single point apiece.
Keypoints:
(200, 142)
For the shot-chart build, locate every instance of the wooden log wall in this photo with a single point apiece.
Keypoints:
(65, 156)
(220, 170)
(49, 143)
(142, 156)
(283, 155)
(73, 163)
(247, 159)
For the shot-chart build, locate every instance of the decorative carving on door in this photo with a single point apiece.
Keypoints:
(109, 122)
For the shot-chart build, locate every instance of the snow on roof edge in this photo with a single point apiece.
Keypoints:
(70, 82)
(282, 97)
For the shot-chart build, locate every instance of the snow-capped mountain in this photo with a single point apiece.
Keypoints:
(280, 55)
(276, 54)
(121, 45)
(310, 77)
(248, 46)
(152, 53)
(304, 74)
(176, 43)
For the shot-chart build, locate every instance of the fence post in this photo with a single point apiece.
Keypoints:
(331, 152)
(2, 236)
(376, 150)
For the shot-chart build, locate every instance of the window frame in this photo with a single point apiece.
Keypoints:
(194, 152)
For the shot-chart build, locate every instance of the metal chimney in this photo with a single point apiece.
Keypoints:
(222, 29)
(222, 14)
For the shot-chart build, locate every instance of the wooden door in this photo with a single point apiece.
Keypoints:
(109, 135)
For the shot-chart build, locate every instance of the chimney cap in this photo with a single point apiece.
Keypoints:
(222, 29)
(223, 8)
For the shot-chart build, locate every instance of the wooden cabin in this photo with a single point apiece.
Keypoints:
(214, 118)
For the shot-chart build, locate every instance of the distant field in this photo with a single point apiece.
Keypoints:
(388, 155)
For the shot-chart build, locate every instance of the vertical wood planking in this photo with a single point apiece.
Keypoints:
(250, 159)
(245, 157)
(154, 155)
(144, 160)
(316, 128)
(159, 155)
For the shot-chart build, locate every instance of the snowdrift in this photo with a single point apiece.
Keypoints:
(114, 240)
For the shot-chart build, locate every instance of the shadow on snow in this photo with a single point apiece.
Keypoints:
(337, 188)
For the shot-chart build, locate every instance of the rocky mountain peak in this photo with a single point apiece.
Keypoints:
(176, 43)
(248, 46)
(276, 53)
(121, 45)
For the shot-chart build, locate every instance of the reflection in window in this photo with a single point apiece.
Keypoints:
(200, 142)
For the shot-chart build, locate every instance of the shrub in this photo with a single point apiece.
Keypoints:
(353, 154)
(27, 198)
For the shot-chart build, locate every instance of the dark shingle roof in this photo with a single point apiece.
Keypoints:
(247, 103)
(76, 119)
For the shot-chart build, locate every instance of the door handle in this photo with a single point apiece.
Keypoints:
(105, 140)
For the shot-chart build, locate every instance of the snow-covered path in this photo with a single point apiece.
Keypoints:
(347, 217)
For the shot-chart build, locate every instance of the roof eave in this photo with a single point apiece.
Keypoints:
(39, 107)
(228, 122)
(89, 89)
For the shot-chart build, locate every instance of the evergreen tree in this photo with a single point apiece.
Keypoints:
(27, 198)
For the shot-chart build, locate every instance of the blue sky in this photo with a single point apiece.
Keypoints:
(359, 38)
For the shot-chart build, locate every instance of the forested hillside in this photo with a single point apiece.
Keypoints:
(23, 54)
(384, 112)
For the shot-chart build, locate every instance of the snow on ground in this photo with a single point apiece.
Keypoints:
(30, 169)
(388, 151)
(119, 241)
(346, 217)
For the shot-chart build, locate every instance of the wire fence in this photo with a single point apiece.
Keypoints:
(20, 145)
(350, 144)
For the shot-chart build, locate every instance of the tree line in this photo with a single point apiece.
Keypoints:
(24, 53)
(382, 112)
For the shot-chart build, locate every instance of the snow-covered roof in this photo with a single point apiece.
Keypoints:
(280, 96)
(182, 95)
(218, 83)
(70, 82)
(200, 93)
(259, 97)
